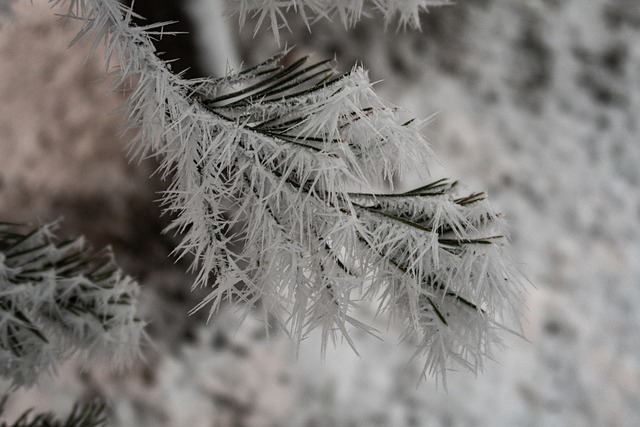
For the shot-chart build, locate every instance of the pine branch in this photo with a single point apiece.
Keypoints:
(58, 299)
(82, 415)
(280, 150)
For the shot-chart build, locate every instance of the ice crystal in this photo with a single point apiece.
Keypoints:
(349, 12)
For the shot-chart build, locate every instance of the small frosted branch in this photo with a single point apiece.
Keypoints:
(57, 300)
(349, 12)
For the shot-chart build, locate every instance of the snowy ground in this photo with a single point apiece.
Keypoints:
(537, 103)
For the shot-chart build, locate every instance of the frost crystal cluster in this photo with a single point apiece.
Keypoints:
(274, 171)
(349, 12)
(56, 301)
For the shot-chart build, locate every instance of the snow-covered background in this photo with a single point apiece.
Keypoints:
(536, 102)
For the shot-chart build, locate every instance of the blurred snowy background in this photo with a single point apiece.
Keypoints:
(537, 102)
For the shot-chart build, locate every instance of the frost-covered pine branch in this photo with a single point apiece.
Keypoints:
(58, 300)
(273, 173)
(82, 415)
